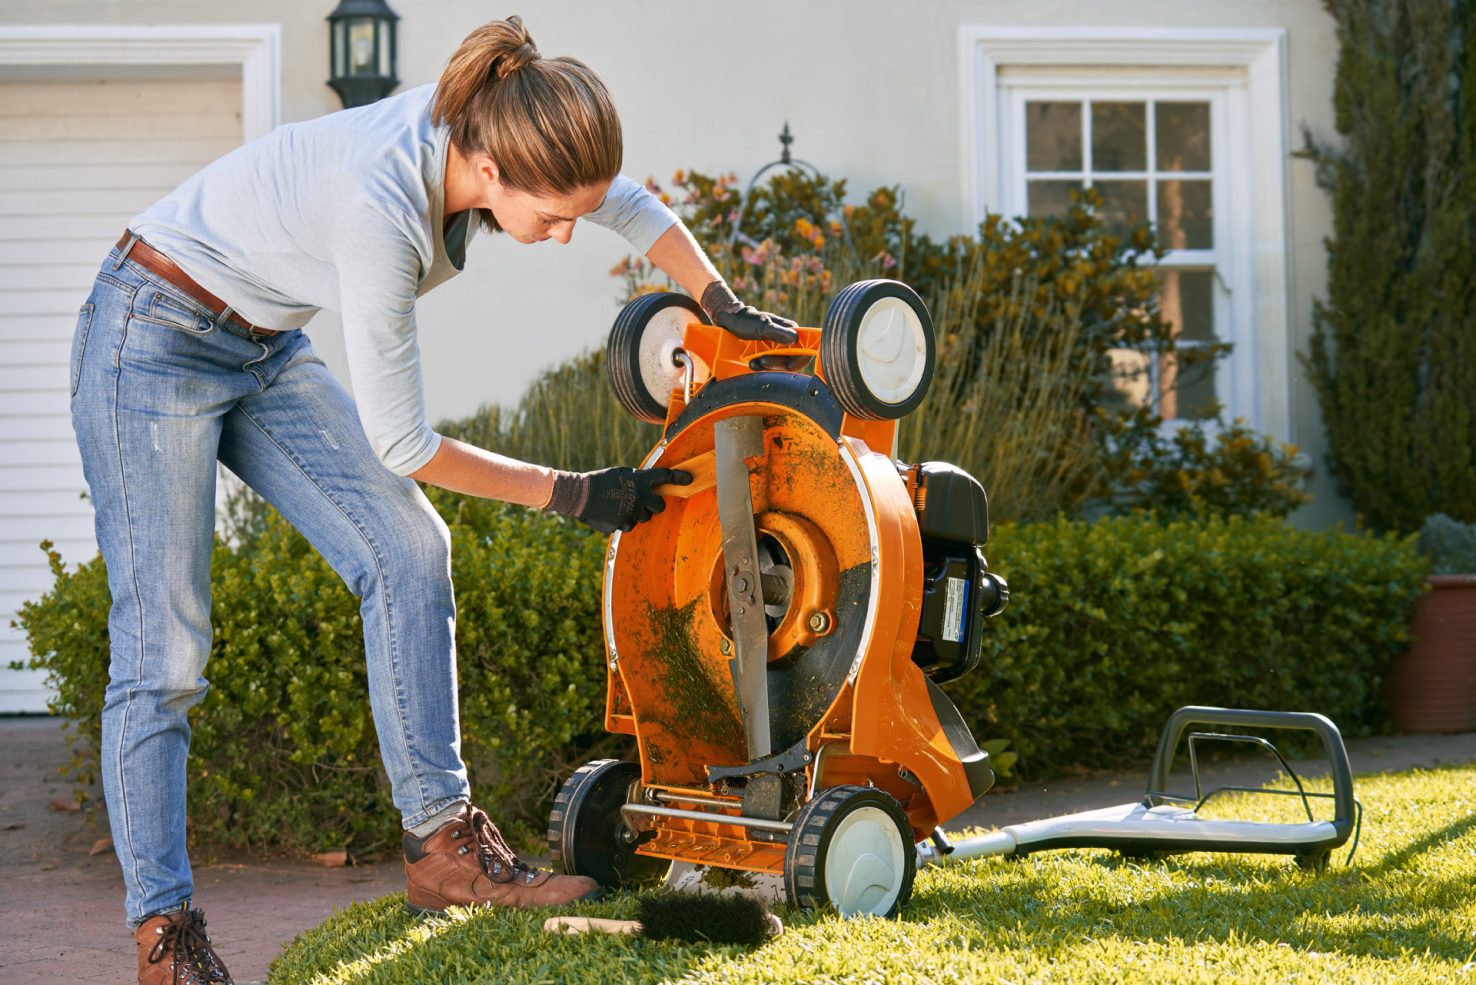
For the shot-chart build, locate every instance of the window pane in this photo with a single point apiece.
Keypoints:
(1050, 197)
(1053, 136)
(1124, 204)
(1186, 219)
(1182, 133)
(1188, 391)
(1119, 137)
(1188, 303)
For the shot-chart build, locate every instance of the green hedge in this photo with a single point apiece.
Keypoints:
(284, 756)
(1114, 624)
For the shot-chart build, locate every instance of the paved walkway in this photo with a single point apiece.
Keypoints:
(62, 908)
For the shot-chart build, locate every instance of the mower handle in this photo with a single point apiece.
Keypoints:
(1344, 805)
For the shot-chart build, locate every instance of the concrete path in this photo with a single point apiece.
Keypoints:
(62, 908)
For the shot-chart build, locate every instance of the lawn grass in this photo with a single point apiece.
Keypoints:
(1404, 911)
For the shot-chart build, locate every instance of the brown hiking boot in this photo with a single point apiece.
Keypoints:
(173, 950)
(467, 862)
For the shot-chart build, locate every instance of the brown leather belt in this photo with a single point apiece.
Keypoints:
(151, 259)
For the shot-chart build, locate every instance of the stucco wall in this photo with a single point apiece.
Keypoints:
(870, 88)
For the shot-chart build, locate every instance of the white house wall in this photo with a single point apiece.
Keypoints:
(871, 90)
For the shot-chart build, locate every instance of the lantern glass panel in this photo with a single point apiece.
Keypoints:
(339, 65)
(361, 46)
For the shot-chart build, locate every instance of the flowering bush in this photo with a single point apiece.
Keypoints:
(1235, 471)
(1027, 314)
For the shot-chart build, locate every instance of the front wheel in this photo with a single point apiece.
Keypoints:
(851, 847)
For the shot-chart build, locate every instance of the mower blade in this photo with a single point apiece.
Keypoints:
(736, 440)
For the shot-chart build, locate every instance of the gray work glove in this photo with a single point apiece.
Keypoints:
(744, 320)
(613, 499)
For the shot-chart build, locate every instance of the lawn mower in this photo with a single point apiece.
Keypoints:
(776, 638)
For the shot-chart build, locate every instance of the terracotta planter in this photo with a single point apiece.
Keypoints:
(1432, 686)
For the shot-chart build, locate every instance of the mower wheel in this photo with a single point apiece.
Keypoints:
(1314, 861)
(640, 355)
(877, 349)
(851, 847)
(587, 833)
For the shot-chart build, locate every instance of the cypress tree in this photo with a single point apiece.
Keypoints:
(1393, 353)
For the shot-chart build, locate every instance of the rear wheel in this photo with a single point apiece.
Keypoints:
(587, 833)
(851, 847)
(877, 349)
(640, 357)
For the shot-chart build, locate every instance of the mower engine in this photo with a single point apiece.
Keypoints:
(959, 592)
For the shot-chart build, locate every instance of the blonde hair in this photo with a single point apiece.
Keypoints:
(548, 123)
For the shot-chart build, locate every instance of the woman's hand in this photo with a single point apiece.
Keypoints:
(613, 499)
(677, 255)
(744, 320)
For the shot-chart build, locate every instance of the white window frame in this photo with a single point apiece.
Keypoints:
(1234, 389)
(1248, 67)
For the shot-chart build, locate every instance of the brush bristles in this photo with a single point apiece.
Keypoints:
(704, 917)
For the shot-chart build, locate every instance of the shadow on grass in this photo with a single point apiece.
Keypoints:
(1406, 901)
(1380, 909)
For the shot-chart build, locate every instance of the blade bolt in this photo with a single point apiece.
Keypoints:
(741, 584)
(725, 647)
(819, 622)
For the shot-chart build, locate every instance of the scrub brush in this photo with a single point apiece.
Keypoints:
(705, 917)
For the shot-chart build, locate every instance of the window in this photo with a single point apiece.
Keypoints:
(1183, 128)
(1151, 160)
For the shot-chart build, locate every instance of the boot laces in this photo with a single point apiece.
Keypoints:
(496, 854)
(183, 940)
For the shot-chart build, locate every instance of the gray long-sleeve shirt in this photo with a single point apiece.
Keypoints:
(346, 212)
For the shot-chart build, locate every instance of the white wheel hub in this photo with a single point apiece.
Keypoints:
(891, 350)
(864, 864)
(661, 337)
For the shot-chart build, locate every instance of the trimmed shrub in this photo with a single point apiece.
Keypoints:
(284, 756)
(1112, 625)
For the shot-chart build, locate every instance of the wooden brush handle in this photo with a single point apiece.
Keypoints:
(588, 925)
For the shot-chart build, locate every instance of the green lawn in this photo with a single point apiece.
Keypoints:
(1404, 911)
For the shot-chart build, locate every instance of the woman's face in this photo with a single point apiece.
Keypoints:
(532, 218)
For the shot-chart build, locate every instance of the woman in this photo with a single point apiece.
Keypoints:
(190, 351)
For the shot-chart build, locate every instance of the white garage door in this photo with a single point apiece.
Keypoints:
(78, 159)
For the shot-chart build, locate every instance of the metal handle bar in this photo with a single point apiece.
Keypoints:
(1344, 805)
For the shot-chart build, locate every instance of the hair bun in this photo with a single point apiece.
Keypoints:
(513, 61)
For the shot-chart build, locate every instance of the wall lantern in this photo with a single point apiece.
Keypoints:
(361, 50)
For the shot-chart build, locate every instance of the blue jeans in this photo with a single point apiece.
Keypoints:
(161, 390)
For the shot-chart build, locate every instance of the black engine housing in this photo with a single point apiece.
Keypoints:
(959, 591)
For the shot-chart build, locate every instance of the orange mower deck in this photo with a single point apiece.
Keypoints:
(763, 632)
